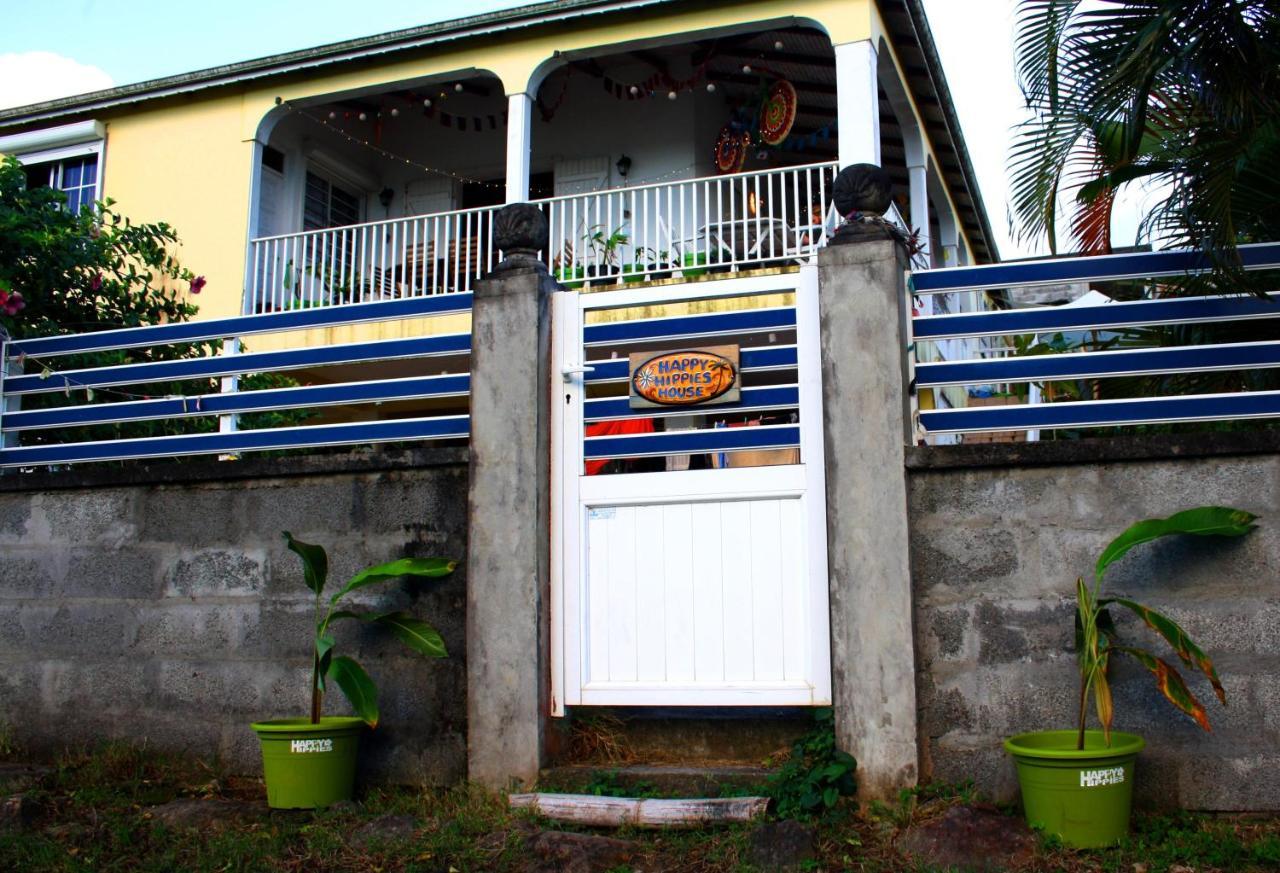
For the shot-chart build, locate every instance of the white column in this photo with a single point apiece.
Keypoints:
(949, 240)
(918, 179)
(519, 146)
(857, 103)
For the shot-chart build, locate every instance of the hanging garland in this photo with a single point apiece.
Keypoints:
(473, 123)
(778, 113)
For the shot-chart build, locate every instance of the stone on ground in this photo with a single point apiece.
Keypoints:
(582, 853)
(18, 811)
(208, 813)
(384, 830)
(971, 838)
(783, 845)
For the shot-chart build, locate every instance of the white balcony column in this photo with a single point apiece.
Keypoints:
(948, 239)
(519, 146)
(918, 180)
(857, 103)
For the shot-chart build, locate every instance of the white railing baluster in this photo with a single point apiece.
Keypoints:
(706, 221)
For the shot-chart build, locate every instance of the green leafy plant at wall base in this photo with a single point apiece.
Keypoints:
(816, 775)
(1096, 631)
(346, 673)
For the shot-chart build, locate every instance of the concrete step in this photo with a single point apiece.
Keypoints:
(685, 738)
(717, 780)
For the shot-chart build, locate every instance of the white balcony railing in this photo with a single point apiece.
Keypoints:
(685, 228)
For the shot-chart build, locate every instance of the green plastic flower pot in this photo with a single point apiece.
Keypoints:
(309, 766)
(1081, 795)
(693, 264)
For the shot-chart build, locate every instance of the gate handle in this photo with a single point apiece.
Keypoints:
(569, 371)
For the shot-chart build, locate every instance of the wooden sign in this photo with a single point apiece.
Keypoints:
(688, 377)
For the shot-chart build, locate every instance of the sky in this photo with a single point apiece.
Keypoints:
(56, 48)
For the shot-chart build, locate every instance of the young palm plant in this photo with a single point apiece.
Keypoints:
(1096, 631)
(1183, 95)
(345, 672)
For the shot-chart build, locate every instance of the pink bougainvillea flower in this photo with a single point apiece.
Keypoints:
(95, 283)
(11, 303)
(197, 284)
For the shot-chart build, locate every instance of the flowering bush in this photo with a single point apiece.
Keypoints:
(67, 272)
(70, 272)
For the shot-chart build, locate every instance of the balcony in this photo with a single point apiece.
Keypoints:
(683, 229)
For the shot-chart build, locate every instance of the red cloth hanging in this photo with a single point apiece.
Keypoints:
(616, 427)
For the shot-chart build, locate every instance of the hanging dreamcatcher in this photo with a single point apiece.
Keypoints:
(731, 149)
(778, 113)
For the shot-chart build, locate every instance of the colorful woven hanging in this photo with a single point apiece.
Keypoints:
(778, 113)
(731, 149)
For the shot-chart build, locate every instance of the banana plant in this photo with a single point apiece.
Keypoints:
(346, 673)
(1096, 631)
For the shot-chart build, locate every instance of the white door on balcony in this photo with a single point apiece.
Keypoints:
(581, 175)
(689, 550)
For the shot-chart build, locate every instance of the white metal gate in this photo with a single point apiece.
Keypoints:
(689, 560)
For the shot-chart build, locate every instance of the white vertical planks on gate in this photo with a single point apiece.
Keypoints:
(691, 587)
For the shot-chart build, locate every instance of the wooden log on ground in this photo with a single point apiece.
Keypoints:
(587, 809)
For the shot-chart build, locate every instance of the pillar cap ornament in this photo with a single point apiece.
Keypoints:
(520, 232)
(862, 194)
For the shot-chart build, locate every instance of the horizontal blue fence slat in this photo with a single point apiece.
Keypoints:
(725, 439)
(1102, 413)
(764, 358)
(774, 397)
(1129, 362)
(1136, 265)
(363, 432)
(690, 325)
(245, 401)
(1107, 316)
(243, 325)
(228, 365)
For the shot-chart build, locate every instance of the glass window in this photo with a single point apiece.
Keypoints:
(327, 205)
(75, 177)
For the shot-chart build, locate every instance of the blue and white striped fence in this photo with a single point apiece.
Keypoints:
(40, 357)
(1099, 364)
(767, 318)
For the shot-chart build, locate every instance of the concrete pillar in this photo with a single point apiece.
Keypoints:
(866, 422)
(508, 558)
(857, 103)
(519, 146)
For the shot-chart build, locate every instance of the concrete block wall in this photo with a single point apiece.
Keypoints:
(162, 604)
(998, 538)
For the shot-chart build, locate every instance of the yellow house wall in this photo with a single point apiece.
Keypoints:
(189, 161)
(186, 165)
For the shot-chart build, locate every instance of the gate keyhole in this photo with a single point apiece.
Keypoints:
(568, 398)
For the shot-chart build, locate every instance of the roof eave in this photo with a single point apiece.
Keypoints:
(933, 64)
(290, 62)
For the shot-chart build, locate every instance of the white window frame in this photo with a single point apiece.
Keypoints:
(334, 180)
(66, 142)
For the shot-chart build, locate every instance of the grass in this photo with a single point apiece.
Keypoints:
(96, 813)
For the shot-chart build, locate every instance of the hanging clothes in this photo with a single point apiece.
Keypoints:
(616, 427)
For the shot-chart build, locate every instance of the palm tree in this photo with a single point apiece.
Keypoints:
(1184, 94)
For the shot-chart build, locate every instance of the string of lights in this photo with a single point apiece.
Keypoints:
(364, 143)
